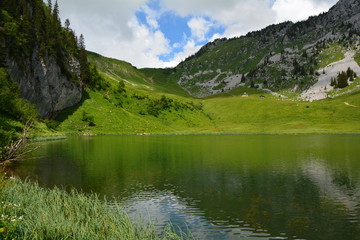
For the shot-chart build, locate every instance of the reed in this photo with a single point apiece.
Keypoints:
(28, 211)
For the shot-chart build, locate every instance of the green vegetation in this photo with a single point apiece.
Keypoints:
(333, 53)
(14, 112)
(275, 115)
(148, 79)
(30, 28)
(357, 57)
(124, 106)
(28, 211)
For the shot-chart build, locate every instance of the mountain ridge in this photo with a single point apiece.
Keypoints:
(266, 58)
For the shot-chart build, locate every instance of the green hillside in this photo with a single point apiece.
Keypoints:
(132, 105)
(150, 79)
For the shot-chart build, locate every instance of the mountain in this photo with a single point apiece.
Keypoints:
(282, 57)
(40, 55)
(146, 79)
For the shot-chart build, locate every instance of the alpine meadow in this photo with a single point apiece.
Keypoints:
(240, 140)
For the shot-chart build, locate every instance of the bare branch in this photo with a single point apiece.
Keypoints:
(18, 148)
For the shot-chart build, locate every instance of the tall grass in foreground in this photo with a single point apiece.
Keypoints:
(28, 211)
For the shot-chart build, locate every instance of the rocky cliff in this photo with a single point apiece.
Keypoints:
(42, 82)
(40, 55)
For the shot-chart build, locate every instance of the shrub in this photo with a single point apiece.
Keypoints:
(89, 119)
(10, 101)
(51, 124)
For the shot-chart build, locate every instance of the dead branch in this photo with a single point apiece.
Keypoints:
(18, 148)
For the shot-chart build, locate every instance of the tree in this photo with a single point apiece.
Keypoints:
(84, 65)
(349, 72)
(49, 5)
(243, 78)
(342, 80)
(56, 10)
(81, 42)
(333, 82)
(252, 85)
(67, 24)
(351, 79)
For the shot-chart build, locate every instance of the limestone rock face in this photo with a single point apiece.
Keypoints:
(43, 83)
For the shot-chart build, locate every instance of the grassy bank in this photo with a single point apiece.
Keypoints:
(275, 115)
(28, 211)
(220, 115)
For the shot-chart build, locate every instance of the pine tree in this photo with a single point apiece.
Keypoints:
(49, 5)
(81, 42)
(333, 82)
(67, 24)
(351, 79)
(84, 65)
(342, 80)
(349, 72)
(243, 78)
(56, 11)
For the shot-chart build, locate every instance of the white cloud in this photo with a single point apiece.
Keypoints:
(190, 48)
(238, 17)
(110, 27)
(199, 28)
(296, 10)
(151, 16)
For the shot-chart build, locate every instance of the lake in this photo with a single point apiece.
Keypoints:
(218, 187)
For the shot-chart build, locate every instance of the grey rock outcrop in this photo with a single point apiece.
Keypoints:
(43, 83)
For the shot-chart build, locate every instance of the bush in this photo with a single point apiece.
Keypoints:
(52, 124)
(10, 101)
(89, 119)
(96, 81)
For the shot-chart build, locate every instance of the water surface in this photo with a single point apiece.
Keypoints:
(218, 187)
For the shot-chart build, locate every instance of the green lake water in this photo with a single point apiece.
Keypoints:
(218, 187)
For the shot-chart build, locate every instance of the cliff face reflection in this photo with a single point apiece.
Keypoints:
(218, 187)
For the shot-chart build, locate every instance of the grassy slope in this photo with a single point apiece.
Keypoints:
(110, 119)
(153, 80)
(230, 114)
(273, 115)
(162, 81)
(357, 57)
(332, 54)
(223, 113)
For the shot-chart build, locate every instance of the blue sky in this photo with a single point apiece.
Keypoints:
(177, 29)
(161, 33)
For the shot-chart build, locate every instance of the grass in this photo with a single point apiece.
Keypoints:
(228, 112)
(28, 211)
(353, 87)
(223, 113)
(332, 54)
(132, 118)
(357, 57)
(275, 115)
(156, 80)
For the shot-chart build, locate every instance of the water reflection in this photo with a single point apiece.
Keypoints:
(218, 187)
